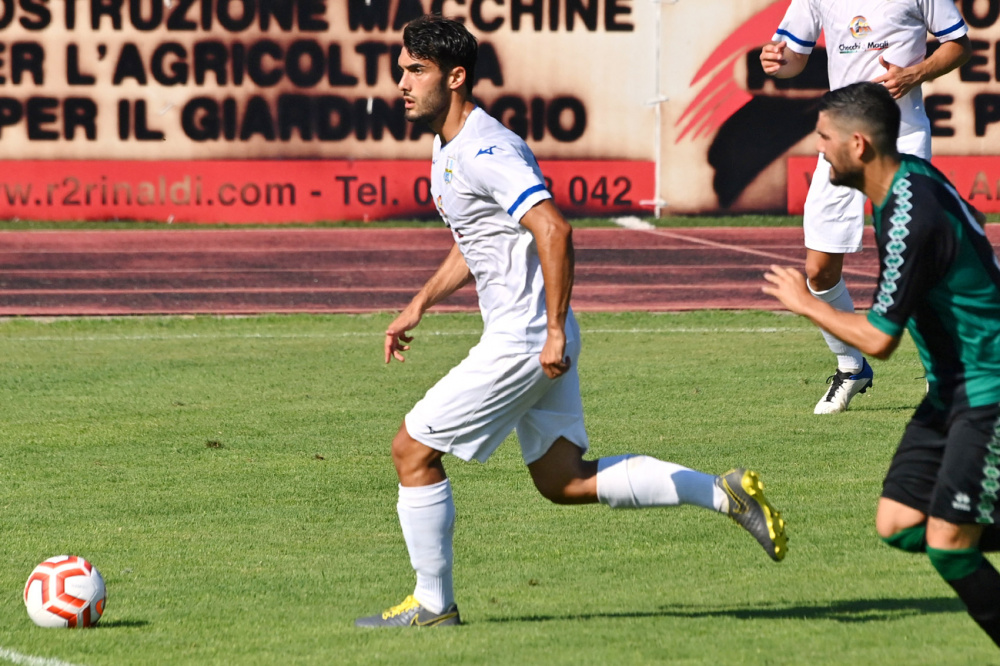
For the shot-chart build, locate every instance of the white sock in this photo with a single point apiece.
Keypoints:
(630, 481)
(427, 516)
(849, 359)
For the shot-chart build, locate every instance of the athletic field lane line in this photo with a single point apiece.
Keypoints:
(28, 660)
(681, 330)
(746, 250)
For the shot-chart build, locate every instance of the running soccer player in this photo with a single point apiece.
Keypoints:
(941, 280)
(866, 40)
(512, 241)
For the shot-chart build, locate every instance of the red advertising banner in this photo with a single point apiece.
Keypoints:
(262, 191)
(977, 179)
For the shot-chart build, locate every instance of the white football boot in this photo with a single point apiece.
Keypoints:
(843, 387)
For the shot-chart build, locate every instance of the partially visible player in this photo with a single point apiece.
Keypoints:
(866, 40)
(513, 242)
(940, 280)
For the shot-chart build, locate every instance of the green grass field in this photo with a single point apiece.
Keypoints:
(230, 477)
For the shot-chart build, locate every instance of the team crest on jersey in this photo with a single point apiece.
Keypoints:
(449, 171)
(859, 27)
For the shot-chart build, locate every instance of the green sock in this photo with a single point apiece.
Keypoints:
(975, 581)
(911, 539)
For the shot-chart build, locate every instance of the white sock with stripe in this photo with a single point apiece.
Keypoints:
(427, 516)
(630, 481)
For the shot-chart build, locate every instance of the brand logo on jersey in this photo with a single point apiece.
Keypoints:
(449, 171)
(859, 27)
(962, 502)
(857, 47)
(485, 151)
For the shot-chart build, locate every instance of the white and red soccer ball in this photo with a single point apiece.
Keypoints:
(65, 591)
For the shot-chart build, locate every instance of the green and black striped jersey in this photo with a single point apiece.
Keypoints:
(941, 280)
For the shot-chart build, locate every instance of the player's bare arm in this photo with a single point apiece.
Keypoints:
(948, 56)
(554, 240)
(789, 287)
(452, 275)
(780, 61)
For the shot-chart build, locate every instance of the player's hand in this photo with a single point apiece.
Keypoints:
(397, 337)
(897, 80)
(553, 358)
(789, 287)
(772, 57)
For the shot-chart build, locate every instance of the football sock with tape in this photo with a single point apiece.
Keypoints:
(975, 581)
(630, 481)
(427, 516)
(849, 359)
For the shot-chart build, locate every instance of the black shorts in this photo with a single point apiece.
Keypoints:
(948, 464)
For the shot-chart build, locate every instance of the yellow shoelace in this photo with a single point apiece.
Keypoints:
(408, 603)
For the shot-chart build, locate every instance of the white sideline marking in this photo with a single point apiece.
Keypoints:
(746, 250)
(632, 222)
(28, 660)
(378, 334)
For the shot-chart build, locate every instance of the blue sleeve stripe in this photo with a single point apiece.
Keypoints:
(958, 25)
(785, 33)
(524, 195)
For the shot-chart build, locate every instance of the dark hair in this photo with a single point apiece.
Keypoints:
(869, 104)
(445, 42)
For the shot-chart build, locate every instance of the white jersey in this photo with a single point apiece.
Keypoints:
(483, 181)
(859, 31)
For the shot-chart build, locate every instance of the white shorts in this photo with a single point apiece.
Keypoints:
(834, 216)
(473, 408)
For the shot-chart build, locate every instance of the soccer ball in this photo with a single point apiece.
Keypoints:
(65, 591)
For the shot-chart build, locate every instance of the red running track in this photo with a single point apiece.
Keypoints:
(249, 271)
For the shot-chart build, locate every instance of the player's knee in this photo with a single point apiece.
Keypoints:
(901, 526)
(401, 449)
(410, 457)
(886, 525)
(944, 535)
(909, 539)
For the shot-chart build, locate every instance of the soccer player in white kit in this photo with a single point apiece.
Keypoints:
(866, 40)
(522, 375)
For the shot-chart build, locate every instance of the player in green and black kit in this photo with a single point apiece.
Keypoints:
(941, 281)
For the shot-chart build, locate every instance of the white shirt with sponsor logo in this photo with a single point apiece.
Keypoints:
(859, 31)
(483, 181)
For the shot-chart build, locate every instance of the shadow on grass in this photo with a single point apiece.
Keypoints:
(907, 408)
(121, 624)
(856, 610)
